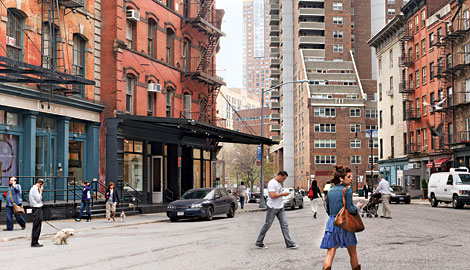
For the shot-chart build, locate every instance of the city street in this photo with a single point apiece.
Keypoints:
(418, 237)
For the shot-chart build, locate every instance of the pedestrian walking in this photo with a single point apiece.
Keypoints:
(336, 237)
(242, 194)
(275, 208)
(326, 188)
(13, 196)
(111, 200)
(35, 201)
(365, 188)
(315, 196)
(384, 189)
(86, 199)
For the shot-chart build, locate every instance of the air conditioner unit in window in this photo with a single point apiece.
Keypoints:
(390, 93)
(154, 87)
(133, 15)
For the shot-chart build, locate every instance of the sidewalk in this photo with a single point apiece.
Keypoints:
(96, 224)
(356, 198)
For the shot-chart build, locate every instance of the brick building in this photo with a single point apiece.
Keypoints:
(249, 121)
(50, 93)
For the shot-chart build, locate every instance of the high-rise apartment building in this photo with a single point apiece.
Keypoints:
(325, 41)
(256, 60)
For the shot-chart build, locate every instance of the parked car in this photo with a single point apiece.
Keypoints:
(450, 187)
(294, 198)
(254, 197)
(202, 203)
(399, 195)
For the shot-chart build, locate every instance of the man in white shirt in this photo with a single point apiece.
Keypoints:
(384, 189)
(35, 200)
(276, 209)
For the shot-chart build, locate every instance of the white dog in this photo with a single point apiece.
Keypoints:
(61, 236)
(123, 216)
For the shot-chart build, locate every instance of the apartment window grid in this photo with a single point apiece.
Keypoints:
(338, 48)
(391, 2)
(375, 158)
(337, 20)
(431, 40)
(337, 34)
(423, 18)
(325, 128)
(418, 107)
(423, 46)
(15, 35)
(391, 12)
(355, 159)
(325, 159)
(423, 71)
(355, 112)
(417, 51)
(370, 113)
(356, 143)
(466, 50)
(337, 6)
(355, 128)
(424, 105)
(417, 78)
(374, 143)
(425, 138)
(324, 112)
(371, 127)
(416, 24)
(325, 143)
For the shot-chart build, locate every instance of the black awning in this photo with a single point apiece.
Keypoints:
(192, 128)
(13, 71)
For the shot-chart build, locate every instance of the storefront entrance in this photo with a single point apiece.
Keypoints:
(157, 179)
(46, 153)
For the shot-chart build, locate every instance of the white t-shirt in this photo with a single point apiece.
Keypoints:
(275, 186)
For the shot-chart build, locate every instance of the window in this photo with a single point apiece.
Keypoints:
(380, 66)
(325, 159)
(416, 24)
(423, 71)
(130, 34)
(417, 78)
(391, 115)
(78, 61)
(431, 71)
(391, 83)
(325, 143)
(450, 129)
(374, 143)
(352, 11)
(324, 112)
(355, 112)
(337, 34)
(371, 113)
(424, 105)
(170, 35)
(391, 2)
(417, 51)
(418, 107)
(390, 54)
(356, 143)
(150, 104)
(133, 164)
(423, 46)
(423, 18)
(325, 128)
(375, 159)
(449, 61)
(355, 128)
(391, 11)
(169, 102)
(186, 54)
(380, 92)
(355, 159)
(440, 65)
(15, 35)
(373, 127)
(169, 4)
(380, 119)
(425, 138)
(337, 20)
(338, 48)
(410, 28)
(152, 38)
(49, 59)
(130, 88)
(381, 149)
(337, 6)
(352, 24)
(466, 52)
(431, 40)
(466, 18)
(187, 102)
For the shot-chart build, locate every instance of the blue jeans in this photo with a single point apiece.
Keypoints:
(82, 205)
(19, 218)
(242, 201)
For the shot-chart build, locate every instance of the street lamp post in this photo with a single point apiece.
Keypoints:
(262, 203)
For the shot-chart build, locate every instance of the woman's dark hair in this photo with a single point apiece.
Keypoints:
(314, 183)
(340, 172)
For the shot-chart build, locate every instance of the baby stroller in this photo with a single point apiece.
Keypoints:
(372, 206)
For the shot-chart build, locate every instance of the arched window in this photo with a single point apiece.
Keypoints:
(152, 38)
(170, 92)
(130, 32)
(130, 90)
(170, 36)
(78, 61)
(15, 34)
(187, 55)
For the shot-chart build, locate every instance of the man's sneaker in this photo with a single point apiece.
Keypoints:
(294, 246)
(262, 246)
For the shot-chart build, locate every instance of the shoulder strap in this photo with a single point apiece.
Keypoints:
(11, 197)
(344, 200)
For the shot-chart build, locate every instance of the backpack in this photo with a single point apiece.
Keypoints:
(310, 194)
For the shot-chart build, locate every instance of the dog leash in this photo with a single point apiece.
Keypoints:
(52, 225)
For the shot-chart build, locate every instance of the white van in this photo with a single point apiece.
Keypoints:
(450, 187)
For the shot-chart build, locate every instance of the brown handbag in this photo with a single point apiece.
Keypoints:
(347, 221)
(16, 208)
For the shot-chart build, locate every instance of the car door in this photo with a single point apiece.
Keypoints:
(448, 188)
(227, 200)
(218, 202)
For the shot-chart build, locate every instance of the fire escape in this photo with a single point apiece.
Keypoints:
(406, 88)
(202, 15)
(52, 76)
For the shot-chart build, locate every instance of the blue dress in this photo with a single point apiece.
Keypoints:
(336, 237)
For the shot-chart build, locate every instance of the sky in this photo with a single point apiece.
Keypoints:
(229, 58)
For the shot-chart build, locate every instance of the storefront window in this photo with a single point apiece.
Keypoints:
(76, 161)
(8, 157)
(197, 153)
(2, 117)
(77, 127)
(133, 165)
(197, 173)
(45, 123)
(207, 155)
(12, 119)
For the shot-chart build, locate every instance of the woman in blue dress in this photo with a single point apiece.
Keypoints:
(336, 237)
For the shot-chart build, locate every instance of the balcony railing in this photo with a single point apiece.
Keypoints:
(405, 87)
(411, 148)
(462, 98)
(199, 12)
(406, 60)
(412, 114)
(463, 137)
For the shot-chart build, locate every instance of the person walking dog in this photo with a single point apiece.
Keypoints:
(315, 196)
(35, 201)
(384, 189)
(86, 199)
(336, 237)
(14, 197)
(112, 199)
(276, 209)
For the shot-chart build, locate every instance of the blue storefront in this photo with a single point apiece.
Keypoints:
(55, 138)
(393, 169)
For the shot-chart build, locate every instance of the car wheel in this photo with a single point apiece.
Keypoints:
(293, 205)
(456, 204)
(210, 213)
(231, 213)
(173, 219)
(434, 202)
(407, 202)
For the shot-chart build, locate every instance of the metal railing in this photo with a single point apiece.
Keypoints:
(137, 199)
(462, 98)
(463, 137)
(204, 117)
(406, 60)
(405, 87)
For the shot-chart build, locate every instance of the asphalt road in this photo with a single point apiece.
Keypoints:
(418, 237)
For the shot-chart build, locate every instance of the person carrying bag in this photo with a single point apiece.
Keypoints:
(347, 221)
(14, 205)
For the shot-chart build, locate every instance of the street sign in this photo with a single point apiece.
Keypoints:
(259, 153)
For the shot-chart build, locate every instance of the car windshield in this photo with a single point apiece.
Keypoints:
(462, 179)
(397, 188)
(198, 194)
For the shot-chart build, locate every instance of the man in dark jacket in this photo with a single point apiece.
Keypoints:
(86, 199)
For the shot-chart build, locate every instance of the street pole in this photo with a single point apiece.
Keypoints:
(262, 203)
(372, 158)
